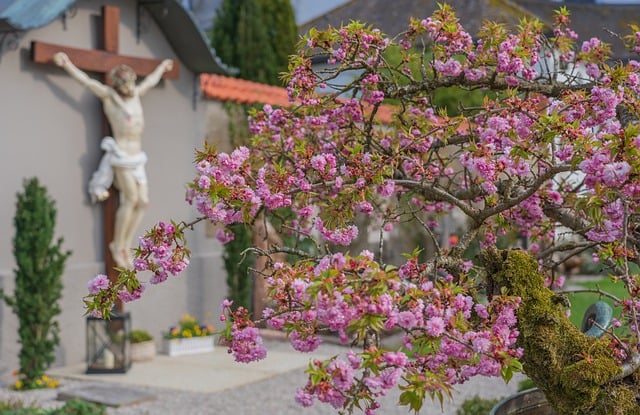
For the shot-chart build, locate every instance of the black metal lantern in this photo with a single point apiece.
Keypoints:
(108, 344)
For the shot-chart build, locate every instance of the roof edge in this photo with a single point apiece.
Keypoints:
(185, 36)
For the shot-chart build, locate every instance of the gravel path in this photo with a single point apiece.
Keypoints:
(272, 396)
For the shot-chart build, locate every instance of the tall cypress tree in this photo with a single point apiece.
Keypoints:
(254, 52)
(255, 36)
(223, 34)
(38, 278)
(281, 26)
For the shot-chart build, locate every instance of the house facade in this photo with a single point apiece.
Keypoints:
(52, 129)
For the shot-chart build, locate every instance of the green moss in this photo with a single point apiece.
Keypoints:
(574, 371)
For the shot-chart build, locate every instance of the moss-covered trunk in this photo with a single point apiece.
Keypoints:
(575, 371)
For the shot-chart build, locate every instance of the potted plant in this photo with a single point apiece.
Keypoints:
(188, 337)
(143, 347)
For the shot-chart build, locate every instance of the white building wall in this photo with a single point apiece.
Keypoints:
(51, 128)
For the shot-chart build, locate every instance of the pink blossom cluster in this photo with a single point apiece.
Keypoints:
(611, 228)
(527, 214)
(337, 379)
(218, 177)
(241, 335)
(564, 36)
(603, 105)
(443, 29)
(247, 345)
(99, 283)
(302, 84)
(162, 252)
(363, 47)
(342, 294)
(601, 170)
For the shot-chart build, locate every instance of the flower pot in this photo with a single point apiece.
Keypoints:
(528, 402)
(191, 345)
(143, 351)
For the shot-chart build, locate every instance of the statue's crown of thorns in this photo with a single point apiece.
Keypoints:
(122, 74)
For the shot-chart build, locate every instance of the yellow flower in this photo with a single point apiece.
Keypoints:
(188, 326)
(18, 384)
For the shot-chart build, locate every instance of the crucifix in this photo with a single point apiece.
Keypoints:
(123, 162)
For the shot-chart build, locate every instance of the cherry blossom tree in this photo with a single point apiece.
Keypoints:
(552, 155)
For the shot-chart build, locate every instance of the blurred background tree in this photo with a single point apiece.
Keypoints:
(256, 37)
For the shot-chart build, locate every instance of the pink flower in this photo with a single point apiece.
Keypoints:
(591, 44)
(158, 277)
(474, 74)
(338, 236)
(615, 174)
(224, 236)
(449, 68)
(387, 189)
(126, 296)
(304, 398)
(99, 283)
(204, 182)
(593, 70)
(304, 343)
(342, 374)
(481, 344)
(140, 264)
(435, 326)
(354, 360)
(406, 320)
(481, 310)
(396, 359)
(246, 345)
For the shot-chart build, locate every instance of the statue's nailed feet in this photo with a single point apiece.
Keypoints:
(121, 256)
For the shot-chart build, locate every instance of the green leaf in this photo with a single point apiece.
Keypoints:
(412, 399)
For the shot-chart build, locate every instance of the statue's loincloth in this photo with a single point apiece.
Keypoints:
(102, 178)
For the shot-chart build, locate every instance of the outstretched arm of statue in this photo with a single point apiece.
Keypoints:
(62, 60)
(154, 77)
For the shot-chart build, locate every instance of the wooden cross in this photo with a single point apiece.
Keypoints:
(102, 61)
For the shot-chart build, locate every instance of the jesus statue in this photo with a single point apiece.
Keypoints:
(123, 161)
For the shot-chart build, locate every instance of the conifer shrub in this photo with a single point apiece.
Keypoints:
(38, 281)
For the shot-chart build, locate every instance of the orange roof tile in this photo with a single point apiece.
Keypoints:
(224, 88)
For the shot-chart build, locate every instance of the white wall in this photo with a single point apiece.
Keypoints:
(51, 128)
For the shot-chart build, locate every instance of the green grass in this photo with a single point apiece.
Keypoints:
(581, 301)
(72, 407)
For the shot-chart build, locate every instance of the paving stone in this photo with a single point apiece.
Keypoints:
(109, 395)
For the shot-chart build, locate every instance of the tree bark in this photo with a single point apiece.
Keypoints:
(577, 373)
